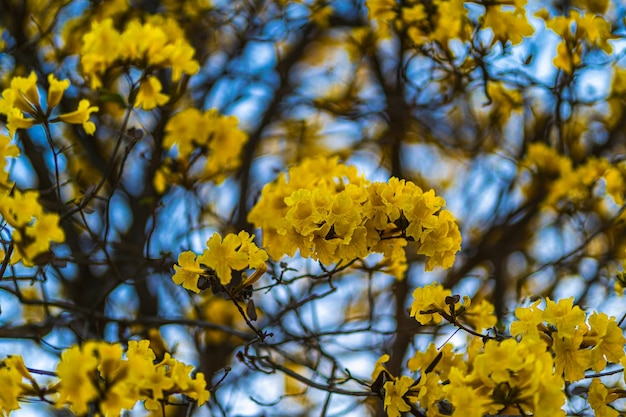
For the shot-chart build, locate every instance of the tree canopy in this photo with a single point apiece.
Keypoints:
(312, 207)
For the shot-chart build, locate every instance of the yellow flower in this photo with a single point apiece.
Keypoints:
(507, 25)
(55, 91)
(188, 272)
(567, 59)
(394, 393)
(16, 120)
(607, 338)
(302, 215)
(76, 372)
(528, 318)
(565, 316)
(344, 215)
(81, 116)
(12, 371)
(7, 149)
(429, 298)
(379, 367)
(224, 256)
(20, 208)
(149, 95)
(599, 396)
(570, 359)
(196, 389)
(42, 232)
(467, 401)
(100, 49)
(27, 94)
(256, 257)
(506, 354)
(143, 42)
(423, 360)
(480, 316)
(181, 59)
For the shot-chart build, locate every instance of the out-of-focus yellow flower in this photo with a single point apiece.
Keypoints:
(507, 25)
(149, 95)
(27, 94)
(55, 91)
(16, 120)
(76, 372)
(12, 372)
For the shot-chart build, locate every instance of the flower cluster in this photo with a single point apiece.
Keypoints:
(433, 303)
(331, 213)
(220, 258)
(444, 20)
(576, 31)
(97, 373)
(97, 376)
(23, 108)
(207, 144)
(33, 229)
(507, 25)
(548, 347)
(573, 185)
(441, 21)
(157, 43)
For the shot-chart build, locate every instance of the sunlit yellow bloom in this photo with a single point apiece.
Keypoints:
(143, 41)
(7, 149)
(566, 58)
(81, 116)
